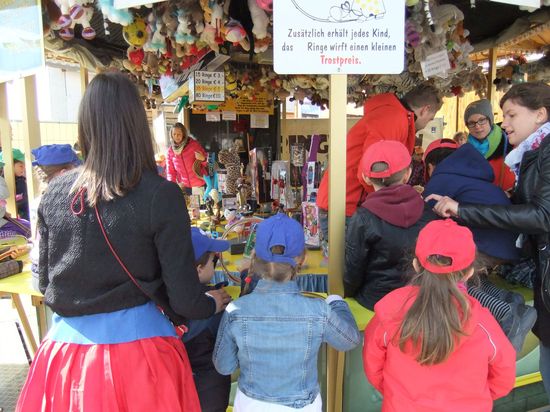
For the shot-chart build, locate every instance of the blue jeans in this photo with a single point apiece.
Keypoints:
(544, 366)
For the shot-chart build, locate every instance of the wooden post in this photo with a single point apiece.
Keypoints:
(337, 221)
(5, 139)
(84, 79)
(491, 90)
(31, 132)
(284, 129)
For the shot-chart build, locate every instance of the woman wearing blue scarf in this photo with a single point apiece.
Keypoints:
(489, 140)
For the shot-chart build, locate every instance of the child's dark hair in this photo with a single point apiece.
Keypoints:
(532, 95)
(203, 260)
(279, 272)
(434, 323)
(393, 179)
(439, 154)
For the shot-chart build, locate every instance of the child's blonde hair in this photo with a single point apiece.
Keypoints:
(278, 272)
(434, 323)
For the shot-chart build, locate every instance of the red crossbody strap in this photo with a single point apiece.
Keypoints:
(119, 260)
(180, 329)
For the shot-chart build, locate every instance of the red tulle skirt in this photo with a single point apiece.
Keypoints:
(150, 374)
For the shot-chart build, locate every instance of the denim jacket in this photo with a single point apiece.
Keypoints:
(274, 335)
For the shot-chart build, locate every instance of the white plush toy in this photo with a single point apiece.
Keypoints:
(259, 18)
(75, 12)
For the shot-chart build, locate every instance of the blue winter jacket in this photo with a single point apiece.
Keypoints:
(467, 177)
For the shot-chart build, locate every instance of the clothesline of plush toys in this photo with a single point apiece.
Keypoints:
(168, 37)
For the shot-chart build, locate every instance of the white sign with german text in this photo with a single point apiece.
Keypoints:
(207, 87)
(331, 37)
(436, 64)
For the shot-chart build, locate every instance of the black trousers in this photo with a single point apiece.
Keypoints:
(213, 389)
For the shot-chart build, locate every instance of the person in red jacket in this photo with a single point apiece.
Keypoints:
(385, 118)
(184, 155)
(430, 346)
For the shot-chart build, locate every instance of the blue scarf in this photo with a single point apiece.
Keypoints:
(481, 146)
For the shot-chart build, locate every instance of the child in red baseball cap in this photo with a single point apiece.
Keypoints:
(382, 232)
(432, 347)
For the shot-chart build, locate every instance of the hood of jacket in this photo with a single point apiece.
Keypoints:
(399, 205)
(382, 102)
(468, 162)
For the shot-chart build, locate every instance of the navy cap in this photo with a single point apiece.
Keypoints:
(55, 154)
(280, 230)
(202, 243)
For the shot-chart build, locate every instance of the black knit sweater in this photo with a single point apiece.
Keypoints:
(148, 228)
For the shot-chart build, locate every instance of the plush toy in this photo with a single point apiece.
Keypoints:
(135, 34)
(232, 162)
(259, 18)
(74, 12)
(231, 217)
(236, 34)
(211, 35)
(266, 5)
(120, 16)
(183, 34)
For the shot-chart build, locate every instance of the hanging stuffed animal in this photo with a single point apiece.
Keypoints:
(236, 34)
(75, 12)
(135, 34)
(232, 162)
(120, 16)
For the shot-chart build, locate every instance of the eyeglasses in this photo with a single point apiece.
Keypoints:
(481, 122)
(215, 259)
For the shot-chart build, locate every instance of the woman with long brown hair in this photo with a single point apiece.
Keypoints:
(115, 247)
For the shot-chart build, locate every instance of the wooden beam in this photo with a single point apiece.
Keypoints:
(84, 79)
(31, 132)
(5, 139)
(337, 223)
(491, 89)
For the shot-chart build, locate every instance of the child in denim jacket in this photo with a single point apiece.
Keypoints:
(274, 334)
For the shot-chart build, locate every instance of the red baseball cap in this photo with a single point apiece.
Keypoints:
(446, 238)
(391, 152)
(437, 144)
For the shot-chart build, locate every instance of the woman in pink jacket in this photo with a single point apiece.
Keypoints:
(182, 155)
(430, 346)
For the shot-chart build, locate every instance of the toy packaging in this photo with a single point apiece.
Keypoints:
(310, 213)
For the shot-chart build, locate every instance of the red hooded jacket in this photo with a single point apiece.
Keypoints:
(481, 368)
(179, 168)
(385, 118)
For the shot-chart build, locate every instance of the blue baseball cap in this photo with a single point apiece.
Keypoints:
(55, 154)
(280, 230)
(202, 243)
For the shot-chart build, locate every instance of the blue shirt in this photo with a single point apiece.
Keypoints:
(126, 325)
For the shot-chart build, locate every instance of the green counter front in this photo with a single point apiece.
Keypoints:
(360, 396)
